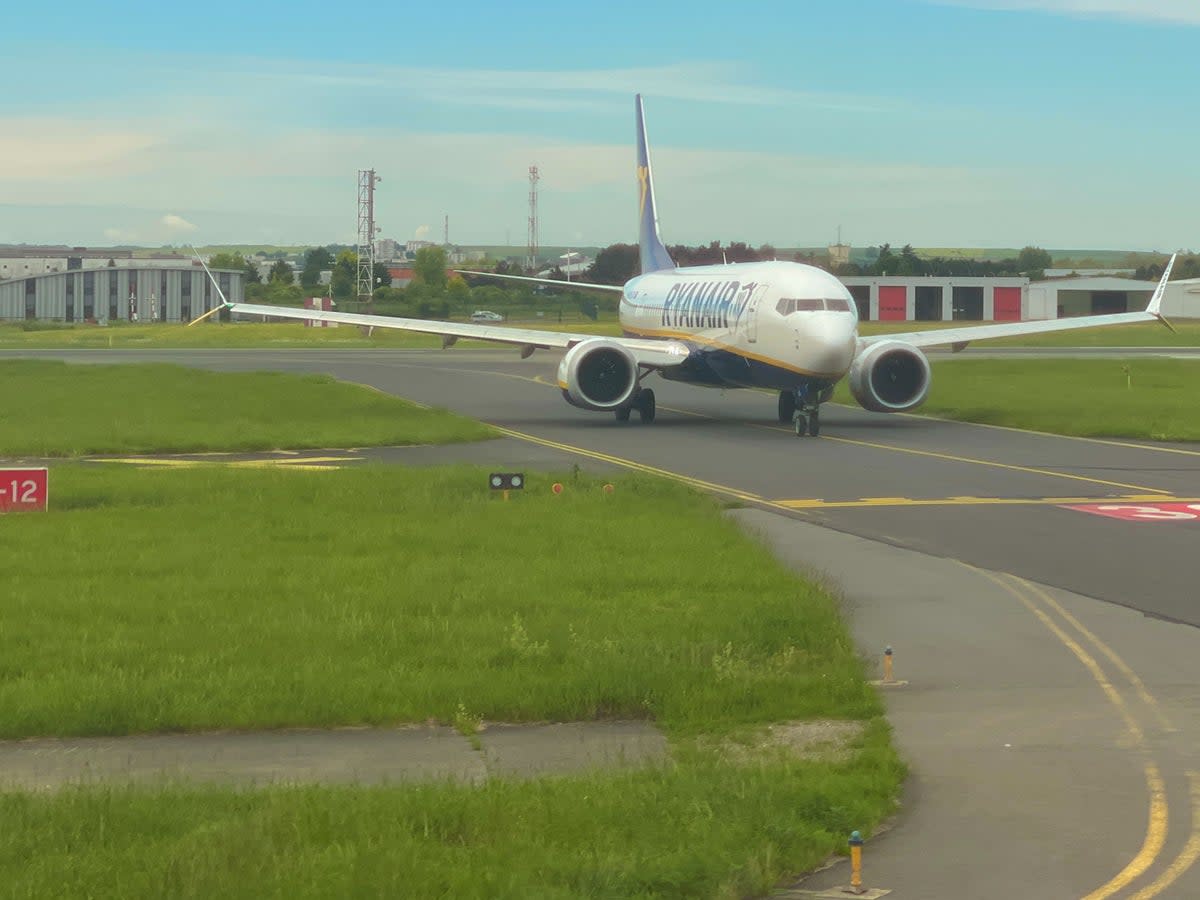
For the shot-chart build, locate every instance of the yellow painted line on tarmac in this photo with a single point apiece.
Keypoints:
(636, 466)
(1067, 437)
(1158, 817)
(933, 454)
(1187, 857)
(878, 502)
(1109, 653)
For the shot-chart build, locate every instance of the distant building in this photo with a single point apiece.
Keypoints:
(411, 247)
(839, 255)
(19, 262)
(387, 249)
(123, 292)
(571, 263)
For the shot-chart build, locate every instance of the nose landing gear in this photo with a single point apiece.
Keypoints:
(804, 413)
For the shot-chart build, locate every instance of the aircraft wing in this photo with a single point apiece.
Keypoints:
(655, 354)
(960, 337)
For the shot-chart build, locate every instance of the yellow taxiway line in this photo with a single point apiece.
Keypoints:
(1044, 607)
(877, 502)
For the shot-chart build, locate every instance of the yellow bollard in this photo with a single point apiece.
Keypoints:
(887, 665)
(856, 883)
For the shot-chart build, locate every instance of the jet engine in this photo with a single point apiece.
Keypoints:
(598, 374)
(890, 376)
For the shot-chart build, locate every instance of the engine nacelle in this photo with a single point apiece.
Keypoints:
(890, 376)
(599, 375)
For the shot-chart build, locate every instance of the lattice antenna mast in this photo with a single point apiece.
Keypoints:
(367, 179)
(531, 257)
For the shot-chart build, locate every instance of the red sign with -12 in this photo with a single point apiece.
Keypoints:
(23, 490)
(1144, 512)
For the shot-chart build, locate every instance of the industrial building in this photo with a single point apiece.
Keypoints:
(928, 299)
(127, 291)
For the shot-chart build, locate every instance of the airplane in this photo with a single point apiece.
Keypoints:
(781, 326)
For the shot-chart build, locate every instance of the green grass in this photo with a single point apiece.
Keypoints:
(216, 598)
(1150, 334)
(152, 600)
(1085, 397)
(54, 409)
(696, 828)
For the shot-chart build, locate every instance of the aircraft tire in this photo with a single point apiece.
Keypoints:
(787, 406)
(646, 406)
(801, 424)
(814, 424)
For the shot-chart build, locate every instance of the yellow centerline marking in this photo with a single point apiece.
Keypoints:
(1050, 434)
(1158, 817)
(877, 502)
(983, 462)
(630, 464)
(1122, 667)
(1187, 857)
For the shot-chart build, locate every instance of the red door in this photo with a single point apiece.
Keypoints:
(1007, 304)
(892, 305)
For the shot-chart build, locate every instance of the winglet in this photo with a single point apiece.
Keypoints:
(1156, 300)
(654, 256)
(225, 304)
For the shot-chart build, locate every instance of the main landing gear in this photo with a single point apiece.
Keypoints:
(804, 414)
(644, 404)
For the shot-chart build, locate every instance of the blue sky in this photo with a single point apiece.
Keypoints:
(1063, 123)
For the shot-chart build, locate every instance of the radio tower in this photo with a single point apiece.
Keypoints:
(531, 258)
(367, 179)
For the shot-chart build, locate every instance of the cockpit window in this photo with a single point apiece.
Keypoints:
(840, 304)
(789, 305)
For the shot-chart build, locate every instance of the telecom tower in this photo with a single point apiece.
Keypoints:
(367, 179)
(531, 258)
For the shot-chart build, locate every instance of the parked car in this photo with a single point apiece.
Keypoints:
(486, 315)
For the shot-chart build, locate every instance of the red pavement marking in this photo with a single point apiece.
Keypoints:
(1143, 512)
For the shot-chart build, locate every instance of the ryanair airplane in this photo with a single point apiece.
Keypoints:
(780, 326)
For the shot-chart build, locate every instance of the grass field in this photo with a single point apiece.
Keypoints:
(54, 409)
(698, 828)
(218, 598)
(1086, 397)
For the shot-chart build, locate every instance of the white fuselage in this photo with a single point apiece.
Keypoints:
(788, 317)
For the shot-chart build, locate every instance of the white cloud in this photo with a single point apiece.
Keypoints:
(1181, 12)
(422, 232)
(176, 223)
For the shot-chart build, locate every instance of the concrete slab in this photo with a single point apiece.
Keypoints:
(527, 751)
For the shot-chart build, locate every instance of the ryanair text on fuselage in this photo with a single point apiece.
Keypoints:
(705, 304)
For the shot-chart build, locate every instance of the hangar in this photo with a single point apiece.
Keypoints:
(899, 298)
(116, 293)
(915, 298)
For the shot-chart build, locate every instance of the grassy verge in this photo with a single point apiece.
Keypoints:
(1085, 397)
(250, 335)
(52, 409)
(1150, 334)
(699, 828)
(219, 598)
(216, 598)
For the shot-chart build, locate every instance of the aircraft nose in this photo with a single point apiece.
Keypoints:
(827, 343)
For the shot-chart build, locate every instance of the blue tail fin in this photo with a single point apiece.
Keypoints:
(654, 255)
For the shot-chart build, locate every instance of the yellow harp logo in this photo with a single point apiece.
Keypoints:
(643, 174)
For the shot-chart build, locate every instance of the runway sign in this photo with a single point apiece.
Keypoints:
(1144, 512)
(23, 490)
